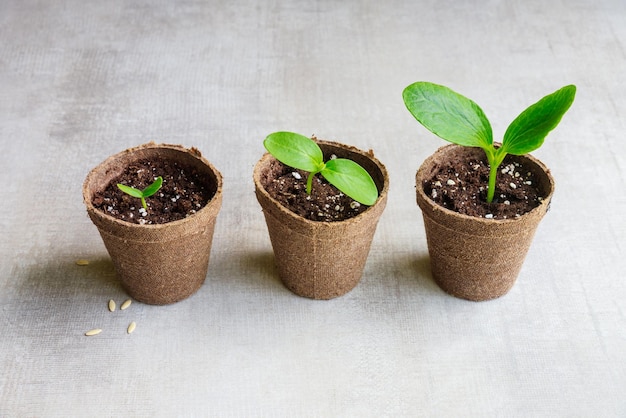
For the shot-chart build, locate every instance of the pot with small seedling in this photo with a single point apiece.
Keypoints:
(155, 207)
(322, 201)
(481, 201)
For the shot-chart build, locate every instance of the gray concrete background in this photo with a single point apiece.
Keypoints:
(81, 80)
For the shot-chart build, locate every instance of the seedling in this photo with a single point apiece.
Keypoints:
(142, 194)
(303, 153)
(459, 120)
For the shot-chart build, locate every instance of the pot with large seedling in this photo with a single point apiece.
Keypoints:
(481, 201)
(321, 201)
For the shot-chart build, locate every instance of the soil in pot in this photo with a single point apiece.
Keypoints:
(183, 192)
(461, 185)
(325, 203)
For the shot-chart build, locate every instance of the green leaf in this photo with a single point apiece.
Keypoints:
(527, 132)
(153, 188)
(295, 150)
(351, 179)
(449, 115)
(130, 190)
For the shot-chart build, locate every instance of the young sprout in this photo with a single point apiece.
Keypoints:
(459, 120)
(300, 152)
(142, 194)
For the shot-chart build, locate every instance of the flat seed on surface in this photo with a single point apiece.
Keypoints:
(93, 332)
(131, 327)
(126, 304)
(111, 305)
(82, 262)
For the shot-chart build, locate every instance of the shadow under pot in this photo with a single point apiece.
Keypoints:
(476, 258)
(159, 263)
(320, 259)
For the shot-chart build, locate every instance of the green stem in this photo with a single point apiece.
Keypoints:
(309, 182)
(495, 159)
(491, 188)
(143, 202)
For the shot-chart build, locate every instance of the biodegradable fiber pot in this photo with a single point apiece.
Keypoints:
(160, 263)
(321, 260)
(476, 258)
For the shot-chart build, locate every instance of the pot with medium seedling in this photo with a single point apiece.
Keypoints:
(481, 201)
(322, 201)
(155, 207)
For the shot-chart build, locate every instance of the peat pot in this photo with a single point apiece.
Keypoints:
(160, 263)
(476, 258)
(321, 260)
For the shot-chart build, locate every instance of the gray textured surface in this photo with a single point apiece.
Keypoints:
(81, 80)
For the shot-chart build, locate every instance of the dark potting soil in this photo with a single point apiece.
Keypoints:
(325, 203)
(461, 186)
(183, 193)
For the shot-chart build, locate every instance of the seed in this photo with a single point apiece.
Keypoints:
(82, 262)
(126, 304)
(131, 327)
(92, 332)
(513, 186)
(111, 305)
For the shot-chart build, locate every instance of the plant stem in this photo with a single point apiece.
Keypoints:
(143, 202)
(491, 188)
(309, 182)
(494, 158)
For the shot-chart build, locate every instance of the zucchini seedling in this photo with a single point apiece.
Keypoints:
(298, 151)
(459, 120)
(142, 194)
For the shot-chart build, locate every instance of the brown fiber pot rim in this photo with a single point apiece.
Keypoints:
(110, 169)
(381, 178)
(438, 213)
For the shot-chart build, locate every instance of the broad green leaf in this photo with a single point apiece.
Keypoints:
(449, 115)
(527, 132)
(130, 190)
(153, 188)
(351, 179)
(295, 150)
